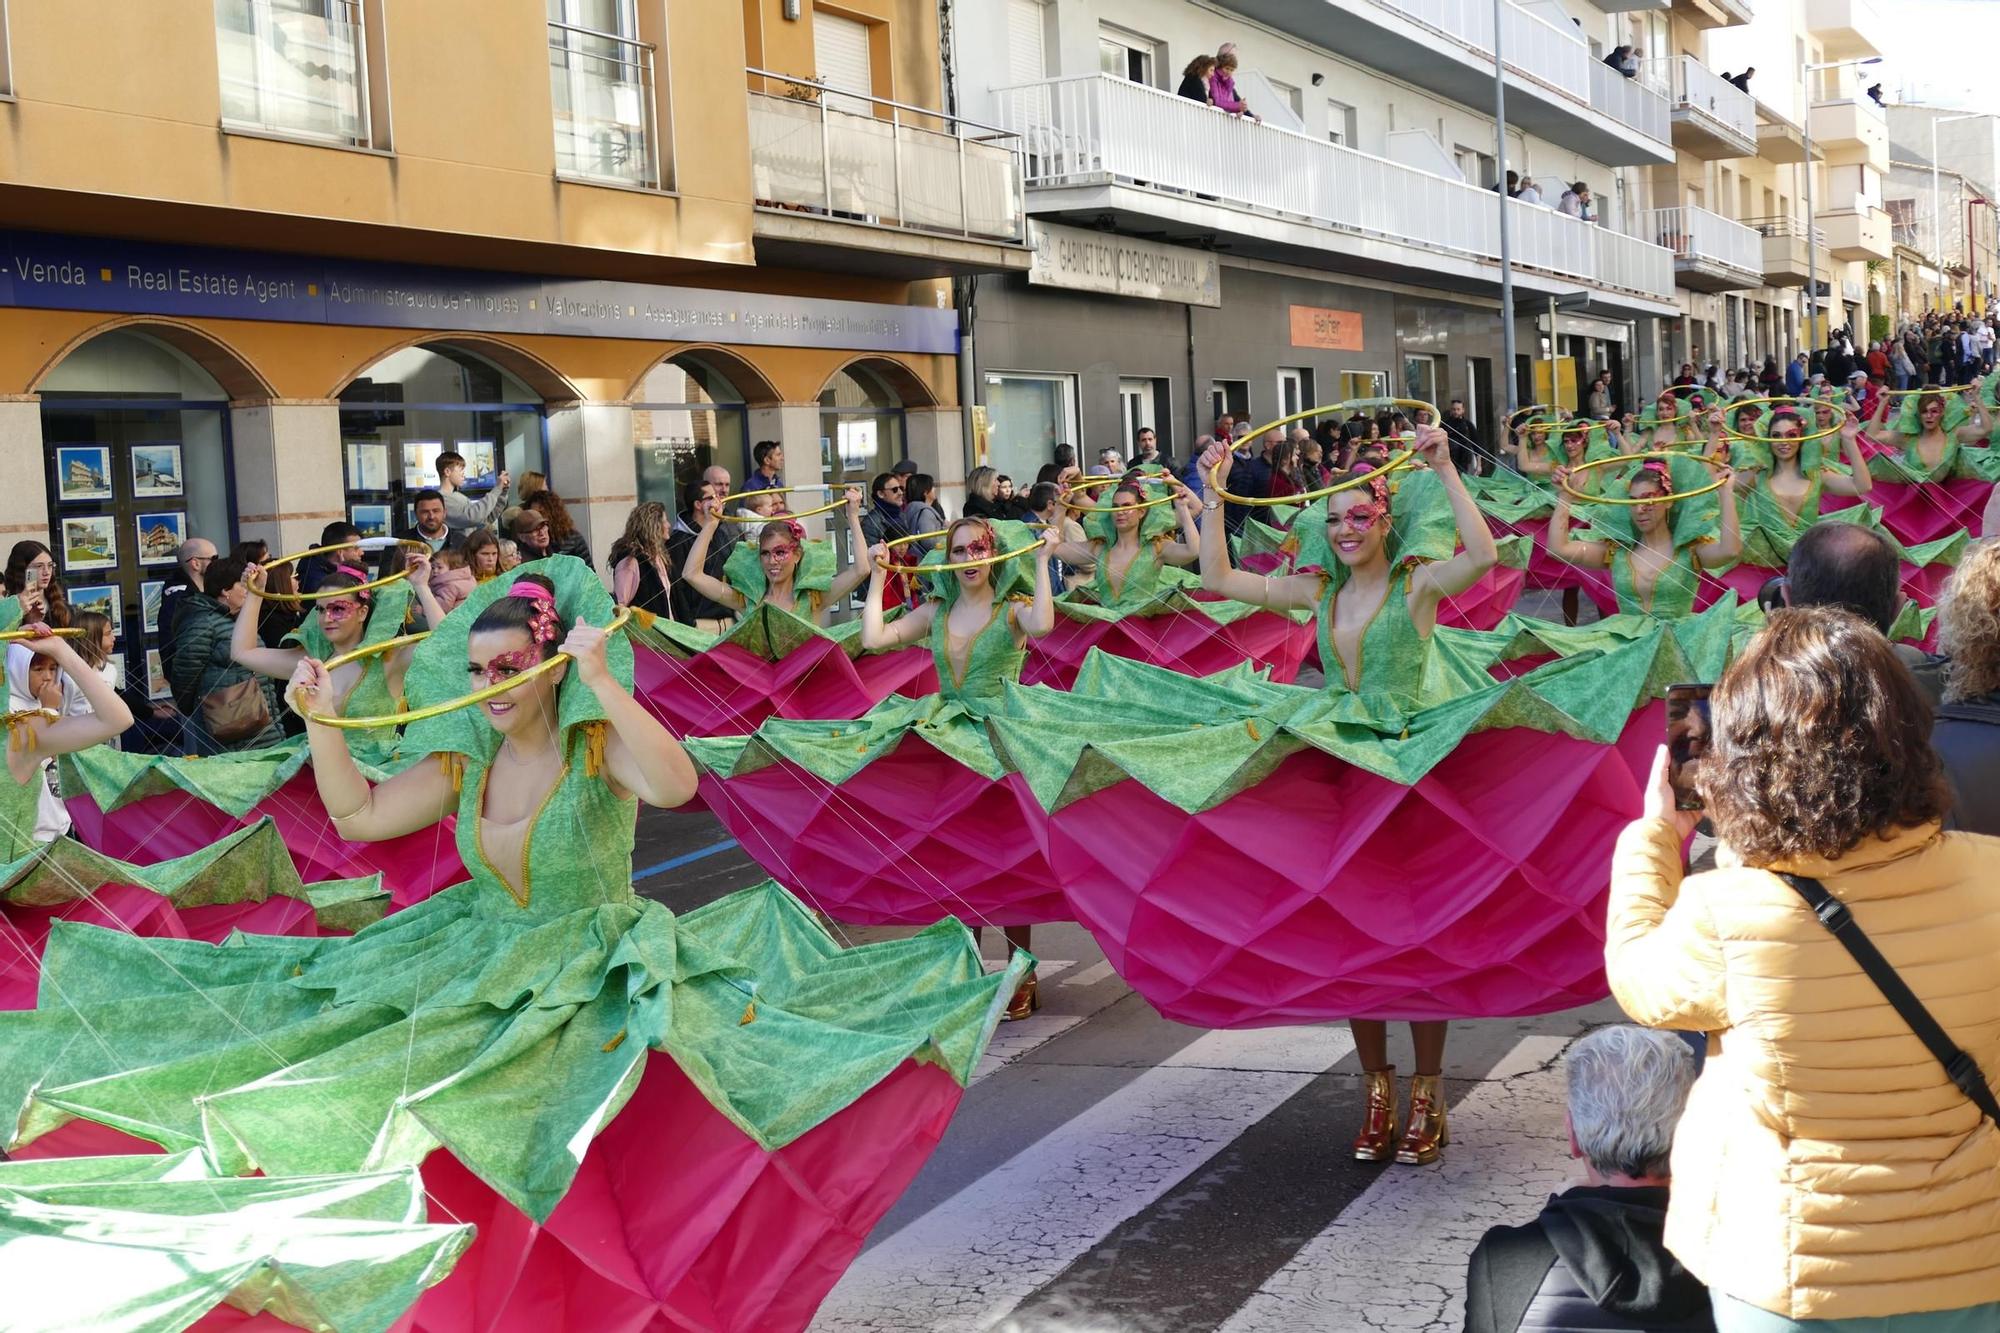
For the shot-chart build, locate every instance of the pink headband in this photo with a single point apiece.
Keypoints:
(544, 626)
(359, 576)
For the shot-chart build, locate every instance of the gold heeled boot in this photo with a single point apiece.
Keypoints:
(1377, 1140)
(1426, 1133)
(1027, 999)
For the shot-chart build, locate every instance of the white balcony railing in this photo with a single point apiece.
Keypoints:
(302, 75)
(1695, 234)
(1701, 89)
(881, 162)
(1096, 129)
(1634, 102)
(601, 88)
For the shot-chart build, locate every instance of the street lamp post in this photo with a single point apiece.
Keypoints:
(1506, 228)
(1812, 218)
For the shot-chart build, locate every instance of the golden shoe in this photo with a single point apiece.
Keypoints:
(1027, 999)
(1377, 1140)
(1427, 1133)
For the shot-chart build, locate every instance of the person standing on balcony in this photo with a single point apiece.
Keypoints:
(1624, 61)
(1194, 80)
(1578, 202)
(1222, 84)
(1513, 184)
(1530, 193)
(1742, 80)
(1875, 95)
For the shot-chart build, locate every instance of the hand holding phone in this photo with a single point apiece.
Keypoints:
(1689, 734)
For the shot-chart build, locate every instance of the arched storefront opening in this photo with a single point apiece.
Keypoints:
(136, 447)
(687, 415)
(397, 416)
(860, 424)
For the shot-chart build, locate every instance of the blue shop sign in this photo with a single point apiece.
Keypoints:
(52, 272)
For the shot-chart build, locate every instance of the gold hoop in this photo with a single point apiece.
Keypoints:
(952, 567)
(478, 696)
(1520, 412)
(1093, 483)
(1395, 464)
(912, 537)
(324, 594)
(368, 650)
(1731, 412)
(785, 490)
(1663, 454)
(1343, 405)
(1929, 388)
(25, 635)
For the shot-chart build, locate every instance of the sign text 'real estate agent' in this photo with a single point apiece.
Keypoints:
(1091, 261)
(1329, 330)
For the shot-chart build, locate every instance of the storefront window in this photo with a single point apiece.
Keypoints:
(136, 442)
(417, 403)
(860, 426)
(1030, 416)
(691, 418)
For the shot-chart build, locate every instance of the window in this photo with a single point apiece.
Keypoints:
(1029, 415)
(1027, 61)
(6, 56)
(1420, 378)
(1340, 124)
(1295, 390)
(297, 68)
(689, 417)
(842, 61)
(1476, 167)
(1290, 96)
(601, 89)
(1126, 55)
(1230, 397)
(1363, 384)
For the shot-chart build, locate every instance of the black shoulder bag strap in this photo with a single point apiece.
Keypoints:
(1959, 1067)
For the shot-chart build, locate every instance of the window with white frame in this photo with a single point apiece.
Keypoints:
(296, 68)
(1295, 390)
(1476, 167)
(1289, 95)
(1363, 384)
(1230, 398)
(1124, 54)
(1028, 414)
(601, 90)
(1340, 124)
(6, 56)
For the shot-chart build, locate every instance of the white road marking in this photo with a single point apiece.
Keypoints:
(1090, 976)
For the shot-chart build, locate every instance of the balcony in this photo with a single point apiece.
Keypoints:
(601, 89)
(1848, 29)
(292, 74)
(1712, 119)
(1852, 129)
(1711, 253)
(1707, 14)
(1446, 47)
(1858, 230)
(1782, 140)
(1787, 262)
(1634, 6)
(1103, 151)
(864, 184)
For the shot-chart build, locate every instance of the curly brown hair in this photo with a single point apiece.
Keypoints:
(550, 506)
(1822, 739)
(1968, 621)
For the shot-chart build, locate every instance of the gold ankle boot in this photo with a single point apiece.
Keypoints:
(1027, 999)
(1426, 1133)
(1377, 1140)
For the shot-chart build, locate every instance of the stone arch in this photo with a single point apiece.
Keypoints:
(554, 387)
(748, 379)
(907, 385)
(228, 367)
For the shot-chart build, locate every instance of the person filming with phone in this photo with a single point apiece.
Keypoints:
(1842, 958)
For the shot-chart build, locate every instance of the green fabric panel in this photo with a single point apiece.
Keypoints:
(249, 866)
(1694, 521)
(233, 781)
(836, 751)
(1508, 496)
(108, 1244)
(1174, 593)
(744, 567)
(1959, 462)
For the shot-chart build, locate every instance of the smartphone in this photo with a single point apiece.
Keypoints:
(33, 579)
(1689, 734)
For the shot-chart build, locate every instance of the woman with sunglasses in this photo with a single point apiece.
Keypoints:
(1377, 611)
(347, 618)
(784, 568)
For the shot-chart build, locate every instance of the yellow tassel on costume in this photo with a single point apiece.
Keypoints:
(593, 749)
(454, 768)
(749, 1015)
(615, 1042)
(643, 616)
(1251, 727)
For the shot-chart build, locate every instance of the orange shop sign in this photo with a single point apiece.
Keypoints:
(1333, 330)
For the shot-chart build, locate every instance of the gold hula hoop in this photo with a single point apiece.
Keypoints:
(1093, 483)
(1396, 463)
(257, 586)
(786, 490)
(1928, 388)
(953, 567)
(1802, 404)
(478, 696)
(1344, 405)
(369, 650)
(1663, 454)
(24, 635)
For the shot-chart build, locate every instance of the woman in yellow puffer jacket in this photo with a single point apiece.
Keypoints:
(1826, 1169)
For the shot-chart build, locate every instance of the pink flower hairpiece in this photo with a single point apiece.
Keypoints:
(544, 624)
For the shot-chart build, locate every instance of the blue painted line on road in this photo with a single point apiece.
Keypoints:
(676, 862)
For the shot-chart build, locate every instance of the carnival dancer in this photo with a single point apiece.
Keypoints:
(1934, 428)
(785, 570)
(1657, 554)
(1783, 477)
(1376, 616)
(978, 633)
(1667, 422)
(1131, 542)
(34, 735)
(540, 1021)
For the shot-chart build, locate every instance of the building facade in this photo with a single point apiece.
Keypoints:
(266, 258)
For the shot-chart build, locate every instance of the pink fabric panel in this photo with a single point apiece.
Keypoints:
(727, 691)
